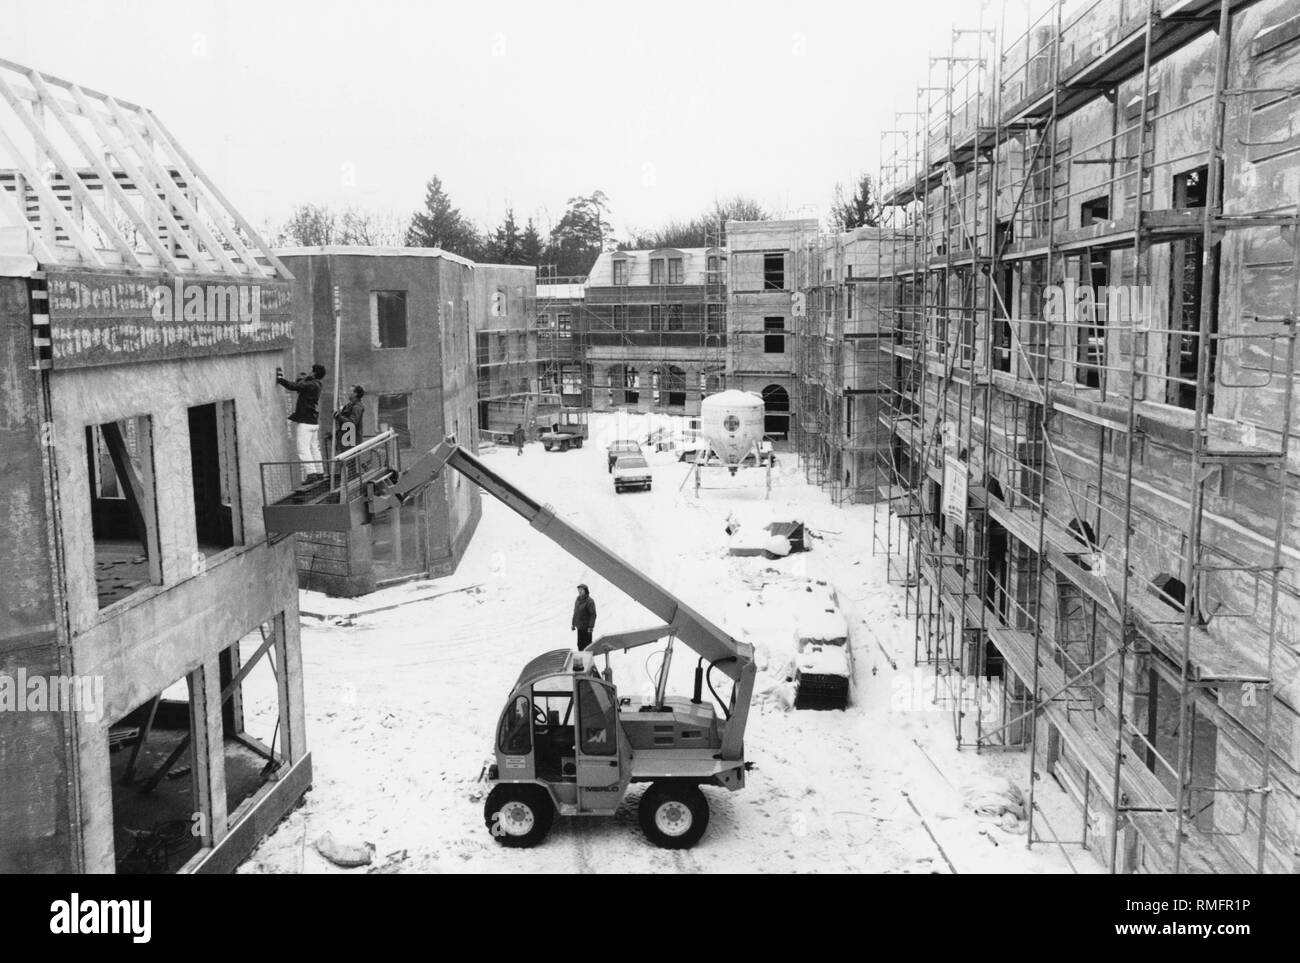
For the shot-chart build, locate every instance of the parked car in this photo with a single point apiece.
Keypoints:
(620, 448)
(631, 471)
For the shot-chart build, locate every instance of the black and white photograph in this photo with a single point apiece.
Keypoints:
(709, 438)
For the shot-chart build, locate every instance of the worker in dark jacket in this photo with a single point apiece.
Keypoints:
(306, 417)
(584, 616)
(347, 420)
(519, 439)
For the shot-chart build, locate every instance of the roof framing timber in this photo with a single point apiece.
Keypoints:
(101, 183)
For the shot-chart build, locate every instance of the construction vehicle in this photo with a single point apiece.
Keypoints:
(568, 427)
(567, 743)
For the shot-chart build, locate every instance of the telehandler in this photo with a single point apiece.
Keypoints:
(567, 743)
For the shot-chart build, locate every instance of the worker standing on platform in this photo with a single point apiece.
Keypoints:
(348, 419)
(584, 616)
(306, 418)
(519, 439)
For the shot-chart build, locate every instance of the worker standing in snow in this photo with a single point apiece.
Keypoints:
(584, 616)
(519, 439)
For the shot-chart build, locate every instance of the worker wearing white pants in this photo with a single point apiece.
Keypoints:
(306, 418)
(306, 439)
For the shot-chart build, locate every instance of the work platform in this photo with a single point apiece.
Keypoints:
(334, 495)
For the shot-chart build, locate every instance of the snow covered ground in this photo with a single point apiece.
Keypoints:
(402, 703)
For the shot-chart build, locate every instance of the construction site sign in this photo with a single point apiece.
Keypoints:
(105, 319)
(954, 490)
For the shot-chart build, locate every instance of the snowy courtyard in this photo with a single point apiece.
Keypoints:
(404, 689)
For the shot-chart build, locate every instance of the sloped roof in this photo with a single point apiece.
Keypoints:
(113, 189)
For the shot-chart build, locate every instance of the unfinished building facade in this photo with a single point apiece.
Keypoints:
(840, 368)
(769, 265)
(151, 707)
(561, 360)
(438, 343)
(1090, 303)
(653, 328)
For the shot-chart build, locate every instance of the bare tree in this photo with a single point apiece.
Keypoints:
(371, 228)
(310, 225)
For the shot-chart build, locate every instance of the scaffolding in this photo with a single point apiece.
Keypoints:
(837, 364)
(1088, 301)
(632, 345)
(509, 348)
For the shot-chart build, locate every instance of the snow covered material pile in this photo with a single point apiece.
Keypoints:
(998, 799)
(801, 639)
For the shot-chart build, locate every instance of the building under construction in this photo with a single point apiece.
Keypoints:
(652, 329)
(151, 688)
(1087, 297)
(840, 367)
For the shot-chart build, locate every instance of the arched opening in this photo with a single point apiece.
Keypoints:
(624, 385)
(1164, 713)
(674, 387)
(995, 565)
(993, 487)
(1082, 533)
(776, 419)
(1170, 590)
(614, 383)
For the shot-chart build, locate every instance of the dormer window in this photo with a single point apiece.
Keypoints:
(675, 272)
(620, 271)
(657, 270)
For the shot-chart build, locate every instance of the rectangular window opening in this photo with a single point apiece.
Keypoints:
(123, 507)
(388, 312)
(773, 272)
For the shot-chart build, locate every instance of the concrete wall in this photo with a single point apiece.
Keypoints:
(459, 313)
(38, 825)
(62, 817)
(436, 371)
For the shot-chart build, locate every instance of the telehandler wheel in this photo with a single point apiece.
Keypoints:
(518, 816)
(674, 814)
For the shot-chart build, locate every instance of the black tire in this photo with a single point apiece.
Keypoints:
(518, 816)
(679, 805)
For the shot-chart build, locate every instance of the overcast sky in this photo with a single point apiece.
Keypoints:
(661, 105)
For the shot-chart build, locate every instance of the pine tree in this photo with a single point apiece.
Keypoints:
(530, 245)
(863, 209)
(505, 246)
(441, 225)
